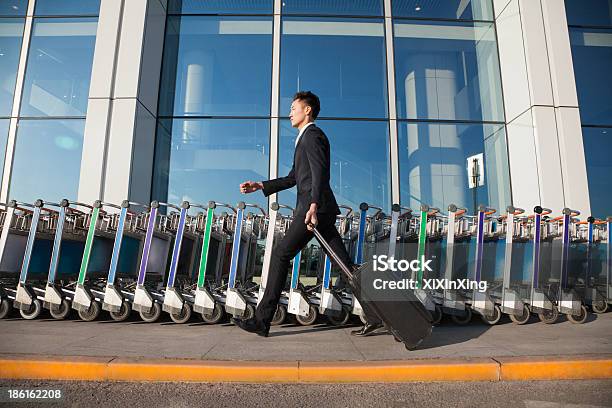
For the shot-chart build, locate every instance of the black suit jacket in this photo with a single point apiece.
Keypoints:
(310, 172)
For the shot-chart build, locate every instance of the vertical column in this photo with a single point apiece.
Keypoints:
(393, 143)
(10, 143)
(541, 105)
(274, 103)
(121, 120)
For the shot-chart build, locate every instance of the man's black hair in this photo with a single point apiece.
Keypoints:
(311, 100)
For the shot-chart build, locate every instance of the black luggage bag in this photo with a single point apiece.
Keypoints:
(402, 313)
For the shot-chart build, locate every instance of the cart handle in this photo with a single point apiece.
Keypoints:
(276, 206)
(346, 207)
(242, 205)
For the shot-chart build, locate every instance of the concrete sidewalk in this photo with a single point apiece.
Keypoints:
(196, 340)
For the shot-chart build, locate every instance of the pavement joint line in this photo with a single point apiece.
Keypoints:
(22, 366)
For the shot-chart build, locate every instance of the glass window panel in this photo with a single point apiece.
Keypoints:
(59, 67)
(434, 159)
(67, 7)
(452, 9)
(217, 66)
(596, 13)
(47, 161)
(598, 153)
(592, 57)
(4, 128)
(220, 6)
(13, 7)
(447, 71)
(359, 161)
(206, 159)
(338, 7)
(11, 33)
(341, 60)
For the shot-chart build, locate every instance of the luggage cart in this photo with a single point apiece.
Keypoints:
(68, 246)
(129, 227)
(460, 248)
(430, 224)
(149, 295)
(96, 261)
(571, 300)
(330, 299)
(531, 265)
(217, 233)
(241, 295)
(278, 224)
(30, 290)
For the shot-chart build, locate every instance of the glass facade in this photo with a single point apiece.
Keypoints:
(49, 139)
(11, 33)
(4, 128)
(59, 67)
(215, 99)
(590, 30)
(13, 7)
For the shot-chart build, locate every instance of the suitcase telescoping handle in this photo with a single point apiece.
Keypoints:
(331, 252)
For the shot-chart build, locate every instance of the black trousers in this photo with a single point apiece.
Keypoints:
(296, 238)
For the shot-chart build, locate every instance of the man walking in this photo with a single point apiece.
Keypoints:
(316, 205)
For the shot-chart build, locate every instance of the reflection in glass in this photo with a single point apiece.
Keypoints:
(447, 71)
(434, 161)
(597, 150)
(11, 32)
(341, 60)
(67, 8)
(220, 6)
(592, 57)
(13, 7)
(59, 67)
(217, 66)
(591, 12)
(4, 128)
(47, 160)
(206, 159)
(359, 161)
(452, 9)
(338, 7)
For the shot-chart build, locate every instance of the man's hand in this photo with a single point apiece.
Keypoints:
(311, 217)
(250, 187)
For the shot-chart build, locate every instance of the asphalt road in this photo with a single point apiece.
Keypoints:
(536, 394)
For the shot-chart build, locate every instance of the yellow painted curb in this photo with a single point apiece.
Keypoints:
(559, 368)
(136, 369)
(400, 371)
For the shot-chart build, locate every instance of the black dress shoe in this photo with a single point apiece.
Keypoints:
(252, 326)
(367, 329)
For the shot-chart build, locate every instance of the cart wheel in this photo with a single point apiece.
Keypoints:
(123, 313)
(92, 313)
(464, 319)
(309, 318)
(183, 316)
(5, 308)
(491, 320)
(249, 312)
(579, 318)
(279, 316)
(549, 316)
(153, 315)
(340, 320)
(600, 306)
(215, 316)
(436, 316)
(33, 312)
(61, 311)
(522, 318)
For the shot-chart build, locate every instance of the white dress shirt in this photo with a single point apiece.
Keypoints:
(297, 139)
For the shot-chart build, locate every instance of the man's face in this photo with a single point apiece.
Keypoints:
(299, 111)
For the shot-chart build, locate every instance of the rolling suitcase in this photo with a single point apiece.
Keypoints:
(402, 312)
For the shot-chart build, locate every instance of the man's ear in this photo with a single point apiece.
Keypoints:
(308, 110)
